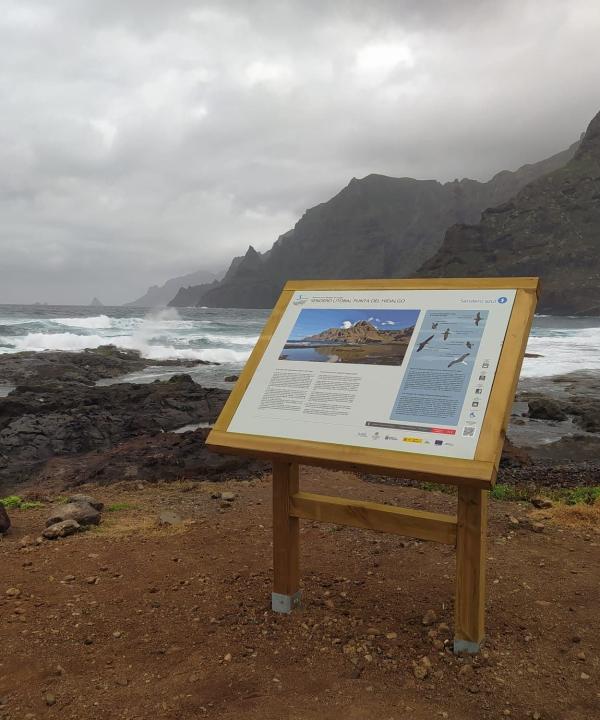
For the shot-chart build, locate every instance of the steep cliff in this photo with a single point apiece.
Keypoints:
(551, 228)
(375, 227)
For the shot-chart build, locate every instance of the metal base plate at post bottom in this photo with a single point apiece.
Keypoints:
(285, 603)
(466, 646)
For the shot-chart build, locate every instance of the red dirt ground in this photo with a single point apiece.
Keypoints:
(134, 621)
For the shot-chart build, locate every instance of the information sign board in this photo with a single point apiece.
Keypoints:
(411, 375)
(407, 377)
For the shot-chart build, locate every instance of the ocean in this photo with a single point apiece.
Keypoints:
(227, 336)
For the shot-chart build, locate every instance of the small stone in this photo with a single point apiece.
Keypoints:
(421, 669)
(50, 699)
(541, 502)
(429, 618)
(227, 657)
(537, 527)
(169, 518)
(69, 578)
(117, 634)
(513, 521)
(96, 504)
(584, 676)
(122, 681)
(536, 715)
(92, 580)
(228, 496)
(13, 592)
(391, 635)
(466, 670)
(61, 529)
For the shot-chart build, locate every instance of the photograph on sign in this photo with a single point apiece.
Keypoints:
(404, 370)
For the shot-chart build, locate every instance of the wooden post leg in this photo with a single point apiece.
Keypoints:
(470, 569)
(286, 539)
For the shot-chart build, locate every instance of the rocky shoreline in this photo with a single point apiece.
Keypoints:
(59, 428)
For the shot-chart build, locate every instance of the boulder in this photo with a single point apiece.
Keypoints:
(546, 409)
(96, 504)
(4, 520)
(61, 529)
(81, 512)
(541, 502)
(231, 378)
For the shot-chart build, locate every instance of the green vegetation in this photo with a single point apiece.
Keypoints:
(512, 493)
(14, 502)
(523, 493)
(115, 507)
(587, 495)
(570, 496)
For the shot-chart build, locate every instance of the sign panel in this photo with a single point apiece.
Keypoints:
(407, 370)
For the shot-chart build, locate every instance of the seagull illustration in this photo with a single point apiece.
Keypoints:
(469, 345)
(478, 318)
(422, 344)
(461, 359)
(434, 326)
(446, 333)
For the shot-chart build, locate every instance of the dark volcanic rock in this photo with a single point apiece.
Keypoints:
(108, 361)
(4, 520)
(546, 409)
(56, 419)
(99, 506)
(152, 458)
(376, 227)
(551, 229)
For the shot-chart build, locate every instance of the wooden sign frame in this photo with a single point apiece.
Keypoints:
(474, 478)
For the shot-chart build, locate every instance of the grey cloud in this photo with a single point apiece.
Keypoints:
(145, 139)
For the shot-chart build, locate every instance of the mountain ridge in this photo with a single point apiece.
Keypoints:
(551, 228)
(378, 226)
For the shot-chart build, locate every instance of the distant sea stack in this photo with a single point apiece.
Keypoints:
(551, 228)
(96, 303)
(375, 227)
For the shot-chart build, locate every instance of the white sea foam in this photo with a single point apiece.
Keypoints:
(99, 322)
(563, 351)
(248, 340)
(75, 343)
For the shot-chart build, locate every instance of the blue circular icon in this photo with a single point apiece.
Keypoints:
(502, 300)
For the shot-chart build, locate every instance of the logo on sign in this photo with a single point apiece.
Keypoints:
(502, 300)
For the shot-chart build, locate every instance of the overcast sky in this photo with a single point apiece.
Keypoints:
(143, 139)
